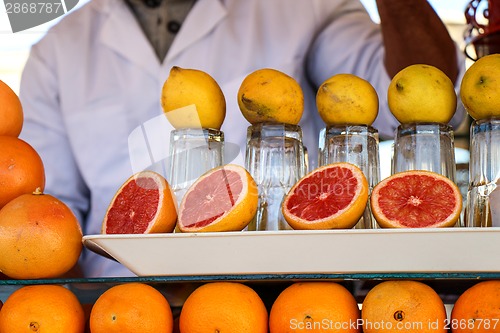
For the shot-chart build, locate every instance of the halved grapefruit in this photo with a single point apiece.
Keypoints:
(416, 199)
(223, 199)
(143, 204)
(333, 196)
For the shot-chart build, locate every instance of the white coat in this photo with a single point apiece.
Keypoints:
(94, 79)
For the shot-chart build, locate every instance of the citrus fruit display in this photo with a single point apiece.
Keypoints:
(314, 307)
(131, 307)
(11, 112)
(270, 96)
(144, 204)
(223, 307)
(416, 199)
(21, 169)
(42, 309)
(346, 99)
(422, 93)
(403, 306)
(39, 237)
(223, 199)
(331, 196)
(480, 88)
(477, 309)
(192, 98)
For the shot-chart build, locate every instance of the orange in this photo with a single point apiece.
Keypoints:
(43, 309)
(39, 237)
(314, 307)
(403, 306)
(477, 309)
(144, 204)
(223, 307)
(223, 199)
(21, 169)
(191, 98)
(332, 196)
(416, 199)
(421, 93)
(346, 99)
(480, 86)
(11, 112)
(131, 307)
(271, 96)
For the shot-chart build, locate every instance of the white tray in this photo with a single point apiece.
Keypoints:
(350, 251)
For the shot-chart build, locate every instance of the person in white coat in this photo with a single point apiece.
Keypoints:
(96, 77)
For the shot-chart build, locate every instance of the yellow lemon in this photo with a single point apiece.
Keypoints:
(422, 93)
(191, 98)
(346, 99)
(268, 95)
(480, 88)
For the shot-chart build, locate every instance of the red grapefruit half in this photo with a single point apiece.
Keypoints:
(331, 197)
(144, 204)
(223, 199)
(416, 199)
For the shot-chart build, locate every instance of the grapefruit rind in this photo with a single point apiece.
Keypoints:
(345, 218)
(236, 218)
(439, 188)
(166, 213)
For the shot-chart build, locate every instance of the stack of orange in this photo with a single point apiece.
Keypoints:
(39, 235)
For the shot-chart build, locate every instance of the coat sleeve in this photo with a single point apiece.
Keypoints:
(44, 129)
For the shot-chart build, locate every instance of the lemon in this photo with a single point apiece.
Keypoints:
(422, 93)
(191, 98)
(346, 99)
(480, 88)
(268, 95)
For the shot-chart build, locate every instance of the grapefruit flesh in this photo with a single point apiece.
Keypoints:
(143, 204)
(333, 196)
(416, 199)
(223, 199)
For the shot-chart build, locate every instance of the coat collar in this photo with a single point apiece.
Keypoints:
(122, 34)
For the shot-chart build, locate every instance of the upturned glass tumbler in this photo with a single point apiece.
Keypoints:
(193, 151)
(275, 157)
(483, 195)
(356, 144)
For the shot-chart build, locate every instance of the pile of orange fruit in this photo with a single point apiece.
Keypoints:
(319, 306)
(39, 235)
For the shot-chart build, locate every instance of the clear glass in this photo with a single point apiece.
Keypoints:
(426, 146)
(356, 144)
(483, 196)
(276, 159)
(193, 151)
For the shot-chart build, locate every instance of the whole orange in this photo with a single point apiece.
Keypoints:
(21, 169)
(11, 112)
(477, 309)
(131, 307)
(403, 306)
(314, 307)
(39, 237)
(44, 309)
(223, 307)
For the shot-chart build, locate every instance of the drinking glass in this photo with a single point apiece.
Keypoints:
(425, 146)
(193, 151)
(356, 144)
(483, 196)
(275, 157)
